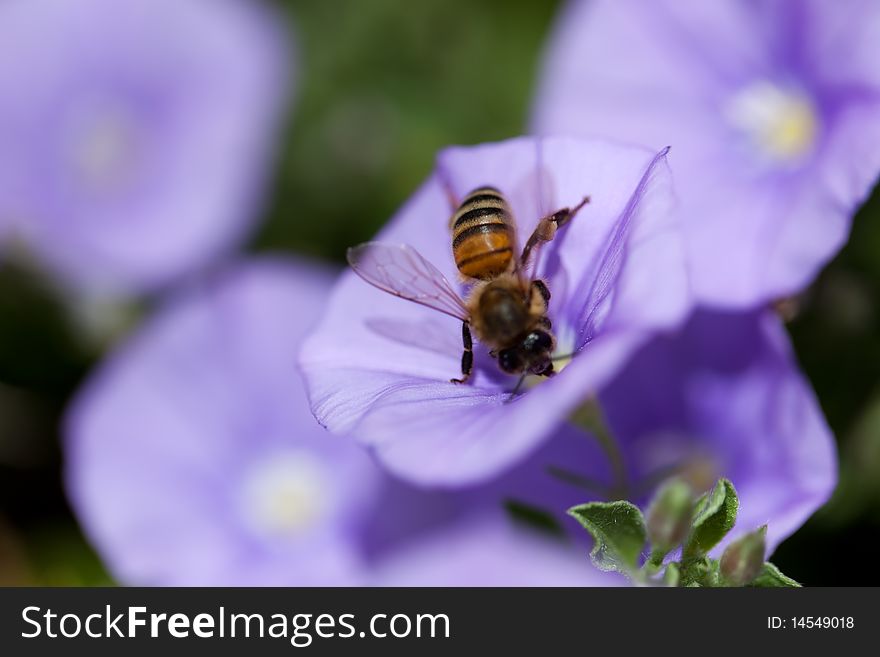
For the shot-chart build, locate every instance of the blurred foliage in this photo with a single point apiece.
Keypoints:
(39, 348)
(858, 492)
(837, 334)
(382, 86)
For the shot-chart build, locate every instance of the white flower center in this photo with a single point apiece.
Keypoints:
(565, 345)
(105, 146)
(780, 123)
(285, 495)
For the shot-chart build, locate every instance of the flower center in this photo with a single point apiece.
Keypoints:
(105, 147)
(565, 346)
(286, 495)
(780, 123)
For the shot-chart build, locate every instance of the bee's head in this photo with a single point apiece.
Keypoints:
(532, 354)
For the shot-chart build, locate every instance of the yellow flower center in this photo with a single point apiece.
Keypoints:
(285, 495)
(105, 148)
(781, 124)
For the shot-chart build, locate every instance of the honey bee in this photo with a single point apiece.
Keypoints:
(505, 308)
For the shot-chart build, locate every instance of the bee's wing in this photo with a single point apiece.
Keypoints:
(402, 271)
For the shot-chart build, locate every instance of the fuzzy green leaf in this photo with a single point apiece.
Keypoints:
(618, 530)
(714, 516)
(770, 576)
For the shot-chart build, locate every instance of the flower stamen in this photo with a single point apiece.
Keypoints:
(284, 496)
(105, 147)
(780, 123)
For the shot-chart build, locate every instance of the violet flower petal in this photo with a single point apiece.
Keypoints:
(772, 110)
(724, 397)
(141, 132)
(174, 446)
(616, 275)
(192, 459)
(488, 553)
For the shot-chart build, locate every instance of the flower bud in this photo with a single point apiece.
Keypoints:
(743, 559)
(669, 516)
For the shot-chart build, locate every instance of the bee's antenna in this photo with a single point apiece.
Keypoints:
(519, 385)
(556, 359)
(522, 378)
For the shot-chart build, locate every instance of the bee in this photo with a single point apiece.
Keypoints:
(505, 308)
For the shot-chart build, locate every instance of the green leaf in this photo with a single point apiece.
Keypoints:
(714, 516)
(770, 576)
(534, 517)
(618, 529)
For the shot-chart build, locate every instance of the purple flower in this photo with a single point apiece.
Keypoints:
(724, 397)
(492, 553)
(136, 135)
(379, 367)
(192, 458)
(772, 110)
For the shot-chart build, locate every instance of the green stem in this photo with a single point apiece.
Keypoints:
(589, 416)
(656, 558)
(591, 485)
(653, 565)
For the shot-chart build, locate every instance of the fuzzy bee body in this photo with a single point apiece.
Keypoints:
(509, 315)
(483, 235)
(506, 308)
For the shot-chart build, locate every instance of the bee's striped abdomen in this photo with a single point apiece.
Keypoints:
(482, 234)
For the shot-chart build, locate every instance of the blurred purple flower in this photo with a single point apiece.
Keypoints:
(137, 135)
(379, 367)
(724, 397)
(192, 458)
(772, 110)
(492, 553)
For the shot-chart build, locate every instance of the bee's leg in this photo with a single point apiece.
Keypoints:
(542, 289)
(545, 231)
(467, 356)
(540, 300)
